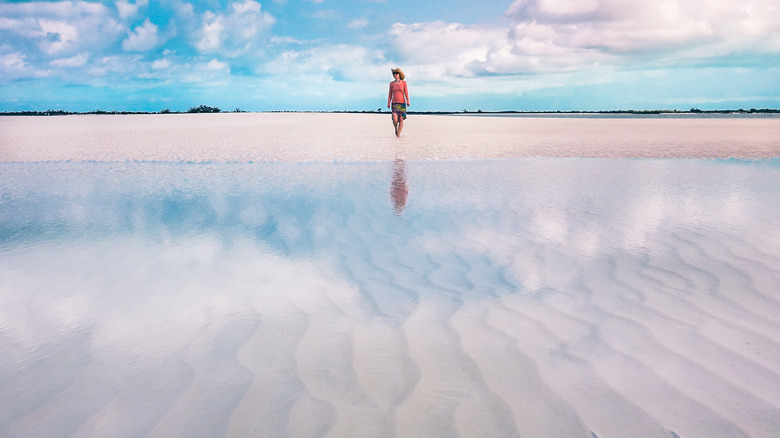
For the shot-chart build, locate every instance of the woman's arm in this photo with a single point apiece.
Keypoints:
(406, 92)
(390, 95)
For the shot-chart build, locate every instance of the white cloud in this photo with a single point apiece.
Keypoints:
(566, 35)
(216, 65)
(235, 33)
(59, 28)
(143, 38)
(341, 61)
(127, 9)
(115, 64)
(211, 32)
(79, 60)
(182, 9)
(326, 76)
(13, 62)
(9, 24)
(568, 7)
(440, 49)
(285, 40)
(536, 44)
(446, 49)
(358, 24)
(58, 36)
(648, 25)
(214, 72)
(246, 6)
(161, 64)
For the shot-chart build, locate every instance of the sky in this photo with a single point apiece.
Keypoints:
(335, 55)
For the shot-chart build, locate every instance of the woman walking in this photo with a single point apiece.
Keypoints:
(398, 100)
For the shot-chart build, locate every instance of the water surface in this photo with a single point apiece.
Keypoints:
(516, 297)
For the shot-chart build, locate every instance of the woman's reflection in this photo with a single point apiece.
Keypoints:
(399, 188)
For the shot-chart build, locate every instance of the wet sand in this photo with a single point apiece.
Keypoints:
(252, 137)
(391, 294)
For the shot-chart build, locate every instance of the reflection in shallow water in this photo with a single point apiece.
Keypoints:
(399, 187)
(540, 297)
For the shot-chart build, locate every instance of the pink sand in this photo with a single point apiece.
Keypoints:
(369, 137)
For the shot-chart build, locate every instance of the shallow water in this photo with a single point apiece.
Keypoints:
(515, 297)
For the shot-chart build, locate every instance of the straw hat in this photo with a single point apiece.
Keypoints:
(400, 73)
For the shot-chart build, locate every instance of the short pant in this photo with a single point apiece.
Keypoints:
(400, 109)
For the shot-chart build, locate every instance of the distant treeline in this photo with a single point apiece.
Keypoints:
(195, 109)
(213, 109)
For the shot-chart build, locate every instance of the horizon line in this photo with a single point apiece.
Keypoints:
(205, 109)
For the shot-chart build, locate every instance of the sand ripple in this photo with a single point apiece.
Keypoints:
(535, 298)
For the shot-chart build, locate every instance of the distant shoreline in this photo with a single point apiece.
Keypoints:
(204, 109)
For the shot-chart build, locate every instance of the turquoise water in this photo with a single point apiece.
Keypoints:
(385, 298)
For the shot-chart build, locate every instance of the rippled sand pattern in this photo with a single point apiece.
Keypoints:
(243, 137)
(148, 290)
(520, 297)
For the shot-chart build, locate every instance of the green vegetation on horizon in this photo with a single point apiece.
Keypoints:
(210, 109)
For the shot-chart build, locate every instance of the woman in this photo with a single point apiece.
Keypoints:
(398, 97)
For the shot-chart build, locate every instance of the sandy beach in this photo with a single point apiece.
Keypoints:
(244, 137)
(311, 275)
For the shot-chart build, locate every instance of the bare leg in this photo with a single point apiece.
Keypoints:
(395, 124)
(400, 126)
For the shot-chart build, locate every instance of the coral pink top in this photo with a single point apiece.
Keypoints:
(398, 93)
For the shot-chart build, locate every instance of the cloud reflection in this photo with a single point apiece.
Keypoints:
(271, 295)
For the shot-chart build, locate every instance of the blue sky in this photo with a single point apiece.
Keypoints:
(528, 55)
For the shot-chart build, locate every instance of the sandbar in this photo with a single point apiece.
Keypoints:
(304, 137)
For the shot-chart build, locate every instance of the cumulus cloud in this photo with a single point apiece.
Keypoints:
(565, 7)
(12, 62)
(127, 9)
(246, 6)
(55, 30)
(324, 76)
(341, 61)
(613, 25)
(143, 38)
(57, 36)
(161, 64)
(446, 49)
(536, 44)
(544, 36)
(235, 32)
(616, 26)
(211, 32)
